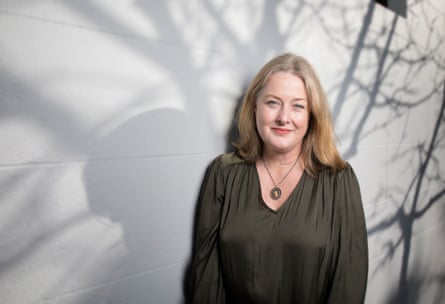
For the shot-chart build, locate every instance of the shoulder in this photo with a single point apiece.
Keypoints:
(227, 160)
(346, 182)
(345, 175)
(228, 164)
(345, 171)
(328, 172)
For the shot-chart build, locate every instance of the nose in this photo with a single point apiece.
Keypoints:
(282, 115)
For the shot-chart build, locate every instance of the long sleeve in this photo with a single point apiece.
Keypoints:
(207, 284)
(350, 259)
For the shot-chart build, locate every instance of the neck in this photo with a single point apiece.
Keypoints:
(283, 159)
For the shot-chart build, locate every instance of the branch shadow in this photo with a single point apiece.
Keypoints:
(400, 103)
(408, 285)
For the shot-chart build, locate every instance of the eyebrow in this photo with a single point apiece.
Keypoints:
(294, 99)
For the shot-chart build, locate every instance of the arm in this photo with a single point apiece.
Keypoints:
(350, 259)
(207, 285)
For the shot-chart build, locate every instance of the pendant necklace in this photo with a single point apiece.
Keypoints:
(275, 193)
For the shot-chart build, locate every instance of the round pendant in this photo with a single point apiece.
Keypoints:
(275, 193)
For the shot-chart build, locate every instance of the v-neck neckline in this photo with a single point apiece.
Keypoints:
(286, 201)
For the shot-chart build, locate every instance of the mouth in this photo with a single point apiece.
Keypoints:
(281, 131)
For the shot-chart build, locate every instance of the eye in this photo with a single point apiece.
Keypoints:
(298, 106)
(272, 102)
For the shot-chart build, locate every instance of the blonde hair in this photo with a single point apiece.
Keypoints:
(318, 148)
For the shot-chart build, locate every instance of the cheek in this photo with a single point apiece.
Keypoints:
(266, 116)
(302, 119)
(259, 117)
(261, 122)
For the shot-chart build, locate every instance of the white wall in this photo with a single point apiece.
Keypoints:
(111, 110)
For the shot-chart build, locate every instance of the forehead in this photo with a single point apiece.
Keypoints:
(286, 83)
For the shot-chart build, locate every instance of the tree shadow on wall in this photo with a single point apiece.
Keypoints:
(392, 57)
(110, 181)
(414, 206)
(134, 190)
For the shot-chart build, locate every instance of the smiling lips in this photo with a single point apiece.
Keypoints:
(281, 131)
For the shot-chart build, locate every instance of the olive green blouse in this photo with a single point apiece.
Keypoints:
(313, 249)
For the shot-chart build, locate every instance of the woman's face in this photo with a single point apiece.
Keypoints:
(282, 113)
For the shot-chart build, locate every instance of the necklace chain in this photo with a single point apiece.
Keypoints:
(275, 193)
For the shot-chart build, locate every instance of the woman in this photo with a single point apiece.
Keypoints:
(281, 219)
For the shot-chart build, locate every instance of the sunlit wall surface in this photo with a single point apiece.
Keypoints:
(111, 110)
